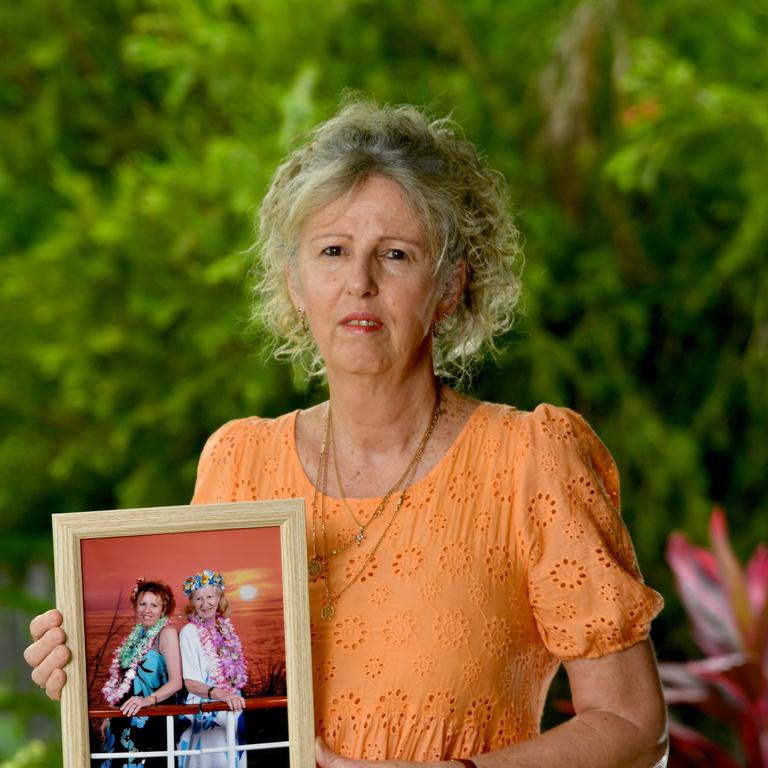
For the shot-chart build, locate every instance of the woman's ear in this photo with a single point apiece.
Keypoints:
(452, 292)
(294, 286)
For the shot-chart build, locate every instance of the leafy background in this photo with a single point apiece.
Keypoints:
(137, 137)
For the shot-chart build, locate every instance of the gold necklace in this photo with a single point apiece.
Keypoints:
(319, 564)
(343, 493)
(359, 537)
(314, 566)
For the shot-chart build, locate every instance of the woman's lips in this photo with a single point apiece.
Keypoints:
(361, 323)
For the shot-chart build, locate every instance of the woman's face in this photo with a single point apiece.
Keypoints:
(149, 609)
(365, 281)
(205, 601)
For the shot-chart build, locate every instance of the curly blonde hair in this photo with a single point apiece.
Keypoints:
(459, 200)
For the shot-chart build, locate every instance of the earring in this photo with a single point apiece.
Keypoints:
(436, 324)
(303, 319)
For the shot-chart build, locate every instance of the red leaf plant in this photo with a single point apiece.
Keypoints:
(728, 608)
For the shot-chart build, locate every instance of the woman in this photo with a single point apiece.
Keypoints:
(145, 670)
(459, 551)
(214, 669)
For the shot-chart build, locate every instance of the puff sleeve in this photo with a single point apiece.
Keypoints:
(219, 464)
(585, 588)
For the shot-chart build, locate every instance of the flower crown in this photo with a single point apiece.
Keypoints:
(206, 578)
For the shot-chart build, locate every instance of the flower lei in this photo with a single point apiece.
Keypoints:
(126, 659)
(223, 650)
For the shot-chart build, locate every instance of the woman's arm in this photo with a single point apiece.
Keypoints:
(620, 718)
(48, 653)
(620, 721)
(194, 670)
(233, 699)
(169, 647)
(168, 641)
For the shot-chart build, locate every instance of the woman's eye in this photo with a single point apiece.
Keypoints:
(332, 250)
(396, 254)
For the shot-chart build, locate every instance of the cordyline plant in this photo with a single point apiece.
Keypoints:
(728, 608)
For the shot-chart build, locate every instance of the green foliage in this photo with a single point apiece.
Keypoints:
(32, 755)
(23, 715)
(139, 135)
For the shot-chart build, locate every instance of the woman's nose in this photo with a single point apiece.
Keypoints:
(361, 280)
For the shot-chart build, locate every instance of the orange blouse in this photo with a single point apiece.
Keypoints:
(508, 557)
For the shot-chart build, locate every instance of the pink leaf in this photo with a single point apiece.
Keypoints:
(704, 597)
(689, 749)
(761, 716)
(757, 579)
(737, 677)
(757, 589)
(731, 574)
(728, 607)
(759, 640)
(721, 686)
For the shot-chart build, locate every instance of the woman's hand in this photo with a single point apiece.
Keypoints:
(131, 706)
(327, 758)
(234, 700)
(48, 653)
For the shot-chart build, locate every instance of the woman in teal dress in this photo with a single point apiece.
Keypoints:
(145, 670)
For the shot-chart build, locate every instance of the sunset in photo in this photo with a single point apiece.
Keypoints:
(248, 558)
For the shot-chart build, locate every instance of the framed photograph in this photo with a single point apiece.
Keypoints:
(209, 598)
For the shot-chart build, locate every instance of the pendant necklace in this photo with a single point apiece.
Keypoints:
(319, 563)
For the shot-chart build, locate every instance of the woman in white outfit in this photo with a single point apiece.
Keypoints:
(214, 669)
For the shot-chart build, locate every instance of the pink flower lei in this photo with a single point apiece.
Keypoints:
(221, 646)
(127, 656)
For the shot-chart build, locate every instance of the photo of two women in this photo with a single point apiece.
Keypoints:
(209, 644)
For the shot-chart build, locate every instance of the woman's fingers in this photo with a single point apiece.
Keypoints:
(50, 656)
(37, 652)
(327, 758)
(322, 755)
(132, 706)
(45, 621)
(55, 683)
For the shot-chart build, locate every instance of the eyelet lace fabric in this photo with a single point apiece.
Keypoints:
(508, 557)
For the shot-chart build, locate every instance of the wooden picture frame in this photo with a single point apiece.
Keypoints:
(76, 533)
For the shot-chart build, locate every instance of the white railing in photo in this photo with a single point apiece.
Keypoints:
(170, 711)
